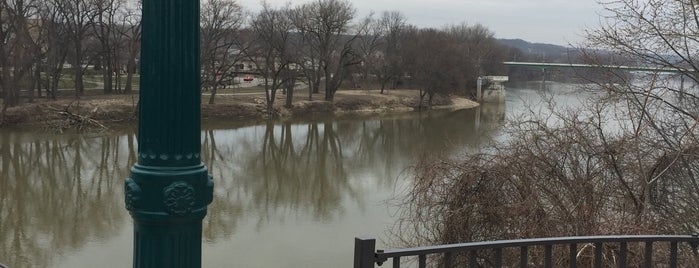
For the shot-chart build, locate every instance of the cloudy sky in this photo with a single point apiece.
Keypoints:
(544, 21)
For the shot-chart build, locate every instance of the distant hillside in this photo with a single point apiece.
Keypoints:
(548, 51)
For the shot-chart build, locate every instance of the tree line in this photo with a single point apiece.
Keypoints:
(325, 45)
(43, 40)
(322, 44)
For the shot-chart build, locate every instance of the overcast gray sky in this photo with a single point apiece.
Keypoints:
(544, 21)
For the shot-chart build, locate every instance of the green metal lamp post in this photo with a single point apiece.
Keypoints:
(169, 188)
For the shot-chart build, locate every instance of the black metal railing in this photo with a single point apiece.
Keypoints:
(603, 249)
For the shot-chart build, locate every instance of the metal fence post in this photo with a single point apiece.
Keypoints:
(364, 256)
(169, 188)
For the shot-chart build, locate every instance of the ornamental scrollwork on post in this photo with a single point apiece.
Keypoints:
(179, 198)
(133, 195)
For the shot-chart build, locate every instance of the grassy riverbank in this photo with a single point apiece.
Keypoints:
(109, 109)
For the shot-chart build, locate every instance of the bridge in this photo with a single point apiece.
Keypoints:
(652, 69)
(544, 65)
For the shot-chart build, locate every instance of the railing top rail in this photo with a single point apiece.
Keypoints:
(383, 255)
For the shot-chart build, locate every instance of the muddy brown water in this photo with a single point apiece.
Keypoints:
(287, 194)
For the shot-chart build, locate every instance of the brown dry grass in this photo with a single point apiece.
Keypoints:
(123, 108)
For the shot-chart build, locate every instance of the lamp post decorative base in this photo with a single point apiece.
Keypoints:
(168, 206)
(155, 193)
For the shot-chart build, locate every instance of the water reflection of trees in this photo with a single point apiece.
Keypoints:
(276, 171)
(312, 176)
(278, 175)
(59, 193)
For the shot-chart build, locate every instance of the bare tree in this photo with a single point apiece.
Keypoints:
(429, 59)
(308, 48)
(19, 48)
(368, 45)
(662, 109)
(106, 30)
(55, 46)
(78, 17)
(477, 53)
(559, 173)
(656, 34)
(131, 32)
(272, 51)
(387, 63)
(221, 46)
(324, 26)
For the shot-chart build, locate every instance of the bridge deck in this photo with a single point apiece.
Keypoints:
(544, 65)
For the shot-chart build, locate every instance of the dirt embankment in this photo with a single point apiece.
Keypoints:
(123, 108)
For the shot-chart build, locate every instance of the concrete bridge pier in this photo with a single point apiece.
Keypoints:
(543, 78)
(491, 88)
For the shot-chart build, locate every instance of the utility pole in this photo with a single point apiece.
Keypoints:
(169, 188)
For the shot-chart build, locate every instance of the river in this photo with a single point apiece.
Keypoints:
(291, 194)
